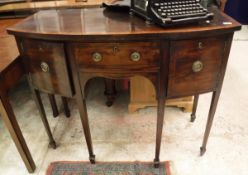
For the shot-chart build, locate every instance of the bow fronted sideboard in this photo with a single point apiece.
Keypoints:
(63, 49)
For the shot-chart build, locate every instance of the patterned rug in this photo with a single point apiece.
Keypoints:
(107, 168)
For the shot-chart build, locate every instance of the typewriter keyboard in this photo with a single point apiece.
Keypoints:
(179, 8)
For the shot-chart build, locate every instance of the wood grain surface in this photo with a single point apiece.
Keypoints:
(56, 80)
(97, 24)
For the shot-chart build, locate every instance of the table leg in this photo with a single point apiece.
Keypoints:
(160, 122)
(80, 98)
(195, 103)
(38, 102)
(37, 99)
(214, 102)
(16, 134)
(80, 84)
(110, 91)
(66, 107)
(53, 105)
(86, 128)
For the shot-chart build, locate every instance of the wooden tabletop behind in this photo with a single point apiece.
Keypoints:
(8, 48)
(50, 5)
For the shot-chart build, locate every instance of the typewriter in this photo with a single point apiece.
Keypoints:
(170, 12)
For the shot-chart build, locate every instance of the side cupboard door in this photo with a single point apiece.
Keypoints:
(195, 66)
(47, 66)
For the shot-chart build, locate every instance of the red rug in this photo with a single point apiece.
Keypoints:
(107, 168)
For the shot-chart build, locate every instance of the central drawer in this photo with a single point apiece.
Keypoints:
(117, 55)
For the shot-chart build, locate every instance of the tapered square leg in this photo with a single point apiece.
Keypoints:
(86, 128)
(156, 163)
(38, 102)
(16, 134)
(202, 151)
(40, 106)
(195, 103)
(214, 102)
(92, 159)
(79, 84)
(160, 121)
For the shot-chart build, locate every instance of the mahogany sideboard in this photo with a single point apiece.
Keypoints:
(63, 49)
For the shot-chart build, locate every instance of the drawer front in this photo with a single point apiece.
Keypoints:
(195, 66)
(47, 66)
(117, 55)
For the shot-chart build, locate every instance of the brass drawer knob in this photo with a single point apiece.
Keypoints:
(97, 57)
(44, 67)
(197, 66)
(135, 56)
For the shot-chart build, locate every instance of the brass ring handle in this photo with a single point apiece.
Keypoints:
(197, 66)
(44, 67)
(97, 57)
(135, 56)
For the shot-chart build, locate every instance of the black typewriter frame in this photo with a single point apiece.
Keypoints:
(150, 16)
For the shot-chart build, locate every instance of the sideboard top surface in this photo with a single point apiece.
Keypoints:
(80, 24)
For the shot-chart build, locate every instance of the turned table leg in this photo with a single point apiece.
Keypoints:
(195, 103)
(214, 102)
(110, 91)
(160, 121)
(15, 132)
(53, 105)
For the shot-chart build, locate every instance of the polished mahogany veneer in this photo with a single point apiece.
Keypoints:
(182, 79)
(96, 24)
(46, 64)
(117, 55)
(63, 49)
